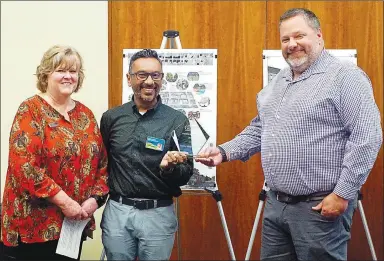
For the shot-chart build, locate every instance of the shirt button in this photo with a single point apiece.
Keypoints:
(273, 135)
(277, 117)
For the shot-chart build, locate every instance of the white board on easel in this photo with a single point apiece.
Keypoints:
(190, 86)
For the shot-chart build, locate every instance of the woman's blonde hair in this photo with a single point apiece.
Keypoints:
(54, 57)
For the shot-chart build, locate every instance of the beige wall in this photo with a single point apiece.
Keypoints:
(28, 29)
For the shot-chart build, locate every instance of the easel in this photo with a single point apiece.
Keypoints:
(174, 38)
(262, 196)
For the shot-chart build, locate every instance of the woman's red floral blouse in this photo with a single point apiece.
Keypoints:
(47, 154)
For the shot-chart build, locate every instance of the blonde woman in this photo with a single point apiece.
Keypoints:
(57, 162)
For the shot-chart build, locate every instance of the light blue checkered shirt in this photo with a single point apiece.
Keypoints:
(316, 133)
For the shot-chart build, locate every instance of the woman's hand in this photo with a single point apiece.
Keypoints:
(73, 210)
(89, 206)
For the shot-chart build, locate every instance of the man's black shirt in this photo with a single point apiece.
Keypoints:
(134, 170)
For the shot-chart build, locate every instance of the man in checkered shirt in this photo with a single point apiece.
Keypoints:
(319, 133)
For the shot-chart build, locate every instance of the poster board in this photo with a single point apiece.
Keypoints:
(189, 86)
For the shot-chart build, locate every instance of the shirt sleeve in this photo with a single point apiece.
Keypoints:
(104, 130)
(246, 143)
(25, 154)
(361, 119)
(181, 174)
(100, 188)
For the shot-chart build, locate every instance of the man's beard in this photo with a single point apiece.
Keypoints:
(298, 64)
(302, 63)
(139, 95)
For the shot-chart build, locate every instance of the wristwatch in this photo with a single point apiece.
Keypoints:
(223, 154)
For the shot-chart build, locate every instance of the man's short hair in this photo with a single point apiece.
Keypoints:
(308, 15)
(145, 53)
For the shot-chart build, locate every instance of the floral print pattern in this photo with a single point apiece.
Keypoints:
(47, 154)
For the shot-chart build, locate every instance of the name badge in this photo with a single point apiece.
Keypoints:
(155, 143)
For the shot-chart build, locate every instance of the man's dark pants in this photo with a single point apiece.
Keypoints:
(296, 232)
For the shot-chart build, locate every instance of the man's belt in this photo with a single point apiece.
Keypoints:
(290, 199)
(142, 204)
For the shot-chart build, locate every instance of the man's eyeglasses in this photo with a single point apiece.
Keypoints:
(142, 76)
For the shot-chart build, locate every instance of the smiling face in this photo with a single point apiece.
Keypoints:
(50, 71)
(300, 43)
(145, 91)
(63, 80)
